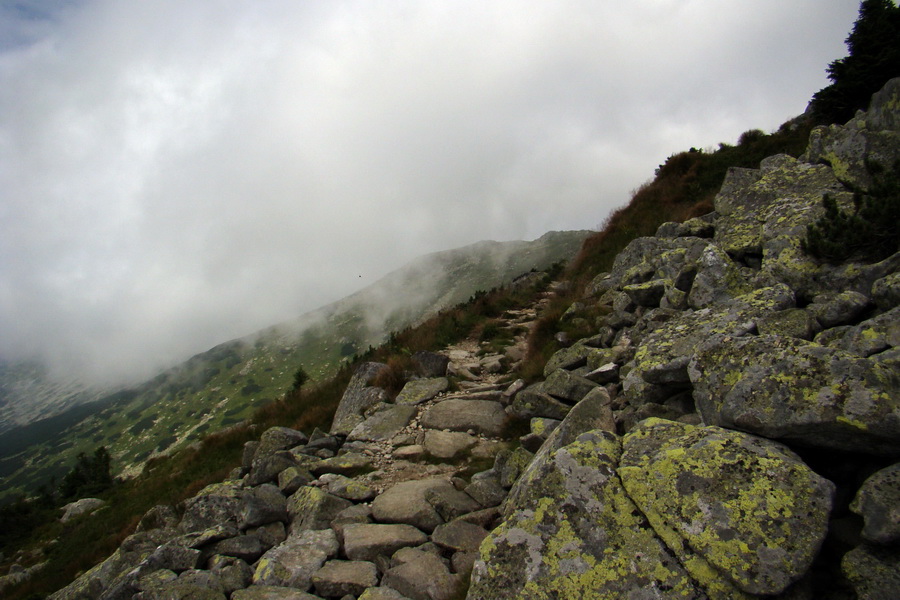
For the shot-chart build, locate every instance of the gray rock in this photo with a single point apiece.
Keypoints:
(338, 578)
(268, 468)
(886, 291)
(234, 574)
(406, 503)
(245, 547)
(567, 386)
(272, 592)
(357, 398)
(270, 534)
(839, 309)
(534, 402)
(484, 416)
(788, 389)
(383, 424)
(279, 438)
(313, 508)
(577, 535)
(417, 391)
(348, 464)
(878, 502)
(747, 506)
(487, 492)
(425, 578)
(84, 506)
(568, 358)
(347, 488)
(175, 558)
(447, 444)
(292, 479)
(293, 563)
(450, 502)
(717, 279)
(594, 412)
(648, 293)
(873, 336)
(873, 571)
(216, 504)
(261, 505)
(382, 593)
(368, 541)
(459, 536)
(430, 364)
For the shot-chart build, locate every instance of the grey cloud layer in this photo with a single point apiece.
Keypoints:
(175, 174)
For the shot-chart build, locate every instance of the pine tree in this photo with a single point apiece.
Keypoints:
(873, 59)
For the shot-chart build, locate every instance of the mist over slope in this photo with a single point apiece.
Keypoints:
(222, 386)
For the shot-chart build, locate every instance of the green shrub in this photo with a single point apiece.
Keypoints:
(871, 232)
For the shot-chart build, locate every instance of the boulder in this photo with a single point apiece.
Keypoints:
(484, 416)
(423, 578)
(418, 391)
(261, 505)
(383, 424)
(406, 503)
(313, 508)
(272, 592)
(663, 356)
(577, 535)
(873, 571)
(368, 541)
(347, 488)
(789, 389)
(216, 504)
(278, 438)
(567, 386)
(293, 563)
(447, 444)
(748, 507)
(348, 464)
(339, 578)
(84, 506)
(358, 397)
(459, 536)
(382, 593)
(430, 364)
(534, 402)
(878, 503)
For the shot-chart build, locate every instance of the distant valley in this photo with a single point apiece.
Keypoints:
(222, 386)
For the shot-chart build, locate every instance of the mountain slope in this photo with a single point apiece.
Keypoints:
(222, 386)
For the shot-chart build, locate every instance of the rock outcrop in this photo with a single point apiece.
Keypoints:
(731, 430)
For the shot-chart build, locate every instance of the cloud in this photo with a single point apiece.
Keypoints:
(174, 174)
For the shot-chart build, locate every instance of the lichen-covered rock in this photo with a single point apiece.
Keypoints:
(567, 386)
(279, 438)
(81, 507)
(447, 444)
(747, 506)
(293, 563)
(717, 279)
(313, 508)
(873, 571)
(843, 308)
(663, 355)
(868, 137)
(578, 535)
(357, 398)
(788, 389)
(261, 505)
(423, 577)
(793, 322)
(534, 402)
(886, 291)
(272, 592)
(593, 412)
(430, 364)
(418, 391)
(383, 424)
(216, 504)
(368, 541)
(878, 502)
(872, 336)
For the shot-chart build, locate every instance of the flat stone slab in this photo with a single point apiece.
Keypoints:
(367, 541)
(447, 444)
(484, 416)
(418, 391)
(406, 502)
(339, 578)
(383, 425)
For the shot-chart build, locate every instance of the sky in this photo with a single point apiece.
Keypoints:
(178, 173)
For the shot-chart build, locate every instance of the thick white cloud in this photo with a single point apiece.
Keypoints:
(175, 173)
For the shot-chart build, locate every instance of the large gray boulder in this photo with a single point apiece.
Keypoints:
(878, 502)
(383, 424)
(483, 416)
(368, 541)
(358, 397)
(407, 503)
(789, 389)
(748, 507)
(578, 535)
(293, 563)
(418, 391)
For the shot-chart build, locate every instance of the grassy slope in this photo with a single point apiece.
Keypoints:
(225, 385)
